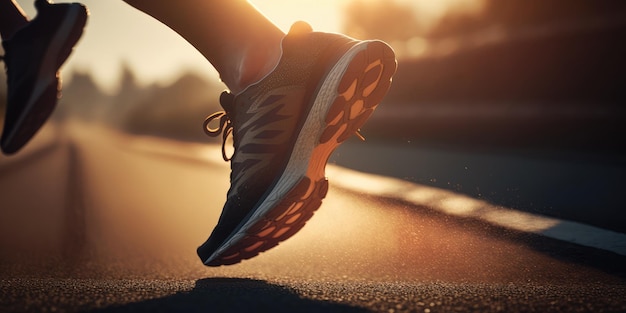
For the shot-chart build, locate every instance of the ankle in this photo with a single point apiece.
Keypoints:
(257, 63)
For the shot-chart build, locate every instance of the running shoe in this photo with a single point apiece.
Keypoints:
(284, 129)
(32, 60)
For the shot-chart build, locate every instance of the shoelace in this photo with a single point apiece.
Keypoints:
(225, 128)
(359, 135)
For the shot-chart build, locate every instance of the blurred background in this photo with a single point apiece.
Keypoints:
(477, 72)
(537, 80)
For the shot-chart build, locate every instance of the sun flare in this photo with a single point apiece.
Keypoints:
(130, 41)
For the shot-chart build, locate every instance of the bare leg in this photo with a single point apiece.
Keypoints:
(12, 18)
(240, 42)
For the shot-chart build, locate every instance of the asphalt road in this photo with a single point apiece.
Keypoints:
(104, 222)
(582, 185)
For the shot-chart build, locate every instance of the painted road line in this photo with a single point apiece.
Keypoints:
(444, 201)
(456, 204)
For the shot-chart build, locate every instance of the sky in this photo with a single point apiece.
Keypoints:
(118, 35)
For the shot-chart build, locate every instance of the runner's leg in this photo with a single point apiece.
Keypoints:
(239, 41)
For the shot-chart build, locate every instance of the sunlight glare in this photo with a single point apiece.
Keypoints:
(131, 41)
(416, 46)
(429, 12)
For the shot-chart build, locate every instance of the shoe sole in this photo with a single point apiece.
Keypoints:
(32, 118)
(348, 95)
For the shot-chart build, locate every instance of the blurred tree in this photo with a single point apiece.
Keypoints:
(82, 97)
(130, 93)
(176, 110)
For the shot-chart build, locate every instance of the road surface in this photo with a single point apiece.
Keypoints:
(97, 221)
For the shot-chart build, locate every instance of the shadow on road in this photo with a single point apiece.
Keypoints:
(233, 295)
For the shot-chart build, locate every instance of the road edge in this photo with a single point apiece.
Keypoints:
(440, 200)
(455, 204)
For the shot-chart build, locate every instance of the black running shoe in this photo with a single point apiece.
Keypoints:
(284, 129)
(32, 60)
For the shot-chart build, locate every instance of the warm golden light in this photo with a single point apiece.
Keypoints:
(132, 38)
